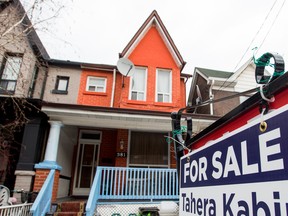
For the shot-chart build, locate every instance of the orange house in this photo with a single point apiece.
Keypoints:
(102, 118)
(157, 84)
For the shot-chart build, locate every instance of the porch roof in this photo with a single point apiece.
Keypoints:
(107, 117)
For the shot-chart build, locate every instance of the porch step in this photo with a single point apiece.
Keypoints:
(70, 208)
(69, 213)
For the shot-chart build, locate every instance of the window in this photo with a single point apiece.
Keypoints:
(61, 85)
(164, 84)
(96, 84)
(9, 73)
(148, 149)
(138, 84)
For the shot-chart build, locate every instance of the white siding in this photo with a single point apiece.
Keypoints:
(246, 80)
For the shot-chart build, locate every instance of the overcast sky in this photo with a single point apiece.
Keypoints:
(208, 33)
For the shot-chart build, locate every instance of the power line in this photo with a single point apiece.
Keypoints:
(255, 51)
(211, 101)
(272, 24)
(256, 33)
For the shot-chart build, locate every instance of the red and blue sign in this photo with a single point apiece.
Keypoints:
(244, 172)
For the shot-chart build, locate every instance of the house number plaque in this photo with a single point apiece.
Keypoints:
(121, 154)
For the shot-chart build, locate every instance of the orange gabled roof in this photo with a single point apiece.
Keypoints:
(154, 19)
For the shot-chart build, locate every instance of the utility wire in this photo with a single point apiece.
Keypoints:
(257, 48)
(264, 21)
(256, 34)
(211, 101)
(272, 24)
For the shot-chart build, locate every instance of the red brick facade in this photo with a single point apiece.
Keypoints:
(40, 177)
(151, 53)
(108, 148)
(95, 98)
(122, 136)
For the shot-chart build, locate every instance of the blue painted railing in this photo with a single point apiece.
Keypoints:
(43, 201)
(123, 183)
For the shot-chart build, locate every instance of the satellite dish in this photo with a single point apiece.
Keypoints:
(125, 67)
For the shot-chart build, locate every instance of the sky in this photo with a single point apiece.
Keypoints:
(210, 34)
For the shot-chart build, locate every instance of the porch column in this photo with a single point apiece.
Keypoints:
(53, 141)
(43, 168)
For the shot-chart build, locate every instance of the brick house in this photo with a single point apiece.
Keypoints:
(90, 115)
(103, 118)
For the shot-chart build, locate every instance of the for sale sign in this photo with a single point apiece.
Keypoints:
(245, 172)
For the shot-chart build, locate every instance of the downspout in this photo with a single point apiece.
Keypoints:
(113, 88)
(44, 82)
(211, 97)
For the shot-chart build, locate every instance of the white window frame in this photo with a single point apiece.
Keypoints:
(170, 86)
(95, 77)
(145, 84)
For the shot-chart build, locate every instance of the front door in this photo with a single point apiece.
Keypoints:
(87, 161)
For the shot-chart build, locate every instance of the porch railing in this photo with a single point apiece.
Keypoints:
(132, 184)
(17, 210)
(43, 201)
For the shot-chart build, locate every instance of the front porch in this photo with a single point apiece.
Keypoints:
(115, 156)
(114, 138)
(121, 191)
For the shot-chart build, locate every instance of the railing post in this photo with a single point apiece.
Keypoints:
(94, 193)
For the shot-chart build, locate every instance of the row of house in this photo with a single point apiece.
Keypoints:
(83, 115)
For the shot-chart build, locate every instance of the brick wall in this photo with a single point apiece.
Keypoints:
(40, 177)
(95, 98)
(108, 148)
(152, 53)
(122, 135)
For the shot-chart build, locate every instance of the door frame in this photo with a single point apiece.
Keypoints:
(97, 142)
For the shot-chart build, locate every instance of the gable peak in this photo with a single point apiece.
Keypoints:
(154, 20)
